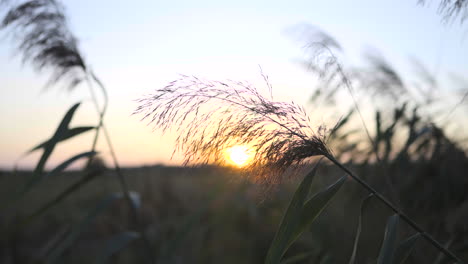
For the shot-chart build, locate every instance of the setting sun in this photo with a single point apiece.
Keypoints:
(239, 155)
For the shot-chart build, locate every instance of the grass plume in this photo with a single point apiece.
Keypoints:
(41, 30)
(211, 116)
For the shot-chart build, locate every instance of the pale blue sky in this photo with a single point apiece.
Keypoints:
(138, 46)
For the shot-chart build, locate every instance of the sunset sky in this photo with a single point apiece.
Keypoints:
(138, 46)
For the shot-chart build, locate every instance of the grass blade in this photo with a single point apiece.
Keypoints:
(62, 132)
(36, 180)
(315, 205)
(359, 229)
(58, 135)
(115, 244)
(69, 133)
(291, 220)
(57, 239)
(404, 249)
(60, 168)
(387, 252)
(65, 193)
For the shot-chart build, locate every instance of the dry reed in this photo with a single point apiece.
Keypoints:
(212, 116)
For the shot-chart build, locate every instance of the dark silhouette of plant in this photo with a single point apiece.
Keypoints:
(44, 40)
(41, 30)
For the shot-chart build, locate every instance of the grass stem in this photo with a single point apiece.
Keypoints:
(123, 183)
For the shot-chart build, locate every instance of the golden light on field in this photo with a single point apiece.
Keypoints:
(239, 155)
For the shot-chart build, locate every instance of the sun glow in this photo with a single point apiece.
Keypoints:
(239, 155)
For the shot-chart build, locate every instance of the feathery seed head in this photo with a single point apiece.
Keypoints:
(41, 28)
(212, 116)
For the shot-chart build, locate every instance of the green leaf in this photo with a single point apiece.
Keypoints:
(404, 249)
(58, 135)
(68, 162)
(300, 215)
(290, 221)
(115, 244)
(36, 180)
(61, 133)
(387, 252)
(64, 194)
(315, 205)
(69, 133)
(359, 229)
(81, 226)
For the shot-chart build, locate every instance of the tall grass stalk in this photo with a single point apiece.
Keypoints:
(40, 27)
(121, 178)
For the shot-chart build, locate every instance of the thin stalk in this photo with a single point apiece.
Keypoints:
(403, 216)
(118, 171)
(101, 117)
(350, 89)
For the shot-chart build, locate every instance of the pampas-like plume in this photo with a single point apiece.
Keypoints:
(212, 116)
(40, 27)
(380, 78)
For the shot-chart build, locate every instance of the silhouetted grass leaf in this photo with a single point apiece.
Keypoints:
(64, 194)
(359, 229)
(387, 252)
(56, 239)
(404, 249)
(48, 147)
(291, 220)
(115, 244)
(315, 205)
(58, 135)
(36, 180)
(68, 162)
(69, 133)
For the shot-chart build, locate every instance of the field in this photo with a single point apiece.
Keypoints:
(199, 215)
